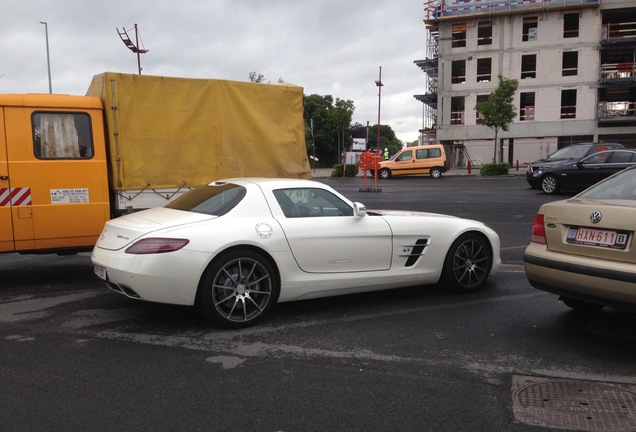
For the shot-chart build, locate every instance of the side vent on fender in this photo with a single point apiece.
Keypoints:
(417, 250)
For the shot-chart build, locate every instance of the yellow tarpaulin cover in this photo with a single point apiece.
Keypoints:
(173, 132)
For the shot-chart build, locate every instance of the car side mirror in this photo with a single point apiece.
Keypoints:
(359, 209)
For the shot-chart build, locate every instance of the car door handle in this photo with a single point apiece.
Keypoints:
(4, 177)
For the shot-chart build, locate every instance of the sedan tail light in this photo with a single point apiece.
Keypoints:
(538, 230)
(156, 245)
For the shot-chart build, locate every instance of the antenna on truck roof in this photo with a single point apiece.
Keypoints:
(134, 47)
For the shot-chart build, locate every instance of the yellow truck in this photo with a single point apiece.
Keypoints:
(70, 163)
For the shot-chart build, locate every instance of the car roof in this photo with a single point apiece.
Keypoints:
(270, 183)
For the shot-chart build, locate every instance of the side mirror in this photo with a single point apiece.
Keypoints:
(359, 209)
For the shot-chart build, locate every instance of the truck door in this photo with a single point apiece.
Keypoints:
(6, 224)
(56, 158)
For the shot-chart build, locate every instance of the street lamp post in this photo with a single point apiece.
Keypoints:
(379, 84)
(48, 58)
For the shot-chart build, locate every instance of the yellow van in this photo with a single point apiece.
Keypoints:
(427, 159)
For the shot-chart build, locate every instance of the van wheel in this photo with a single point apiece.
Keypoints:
(385, 173)
(436, 172)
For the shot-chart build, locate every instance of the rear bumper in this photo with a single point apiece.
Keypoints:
(597, 281)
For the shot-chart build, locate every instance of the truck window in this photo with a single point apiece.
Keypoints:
(59, 135)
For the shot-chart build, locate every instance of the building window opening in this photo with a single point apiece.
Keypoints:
(484, 33)
(571, 25)
(570, 63)
(458, 72)
(484, 69)
(530, 26)
(457, 110)
(528, 66)
(526, 106)
(459, 35)
(480, 117)
(568, 104)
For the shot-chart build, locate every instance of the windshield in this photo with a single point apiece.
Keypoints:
(574, 152)
(619, 186)
(214, 199)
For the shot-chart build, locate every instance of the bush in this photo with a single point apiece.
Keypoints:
(491, 169)
(352, 170)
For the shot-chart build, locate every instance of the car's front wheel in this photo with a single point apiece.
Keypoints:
(385, 173)
(436, 172)
(550, 184)
(238, 289)
(467, 264)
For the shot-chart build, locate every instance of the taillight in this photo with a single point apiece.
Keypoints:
(156, 245)
(538, 230)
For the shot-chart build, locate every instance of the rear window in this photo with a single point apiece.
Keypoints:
(619, 186)
(214, 200)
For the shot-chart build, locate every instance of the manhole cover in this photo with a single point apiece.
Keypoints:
(574, 405)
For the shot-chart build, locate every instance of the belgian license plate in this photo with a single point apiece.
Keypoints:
(598, 237)
(100, 271)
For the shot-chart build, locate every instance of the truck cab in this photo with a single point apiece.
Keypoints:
(54, 193)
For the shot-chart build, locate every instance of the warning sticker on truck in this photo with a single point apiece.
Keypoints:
(69, 196)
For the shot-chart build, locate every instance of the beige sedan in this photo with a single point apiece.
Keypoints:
(583, 248)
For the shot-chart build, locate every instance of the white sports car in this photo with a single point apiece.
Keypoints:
(236, 247)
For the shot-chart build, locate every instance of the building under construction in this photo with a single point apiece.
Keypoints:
(575, 62)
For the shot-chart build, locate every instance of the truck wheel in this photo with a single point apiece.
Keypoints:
(238, 289)
(436, 172)
(385, 173)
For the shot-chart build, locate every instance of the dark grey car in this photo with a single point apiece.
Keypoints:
(578, 174)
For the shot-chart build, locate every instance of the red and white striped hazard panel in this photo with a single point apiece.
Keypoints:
(15, 197)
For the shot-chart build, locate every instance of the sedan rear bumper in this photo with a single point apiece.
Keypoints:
(587, 279)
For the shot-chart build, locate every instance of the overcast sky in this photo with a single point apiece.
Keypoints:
(328, 47)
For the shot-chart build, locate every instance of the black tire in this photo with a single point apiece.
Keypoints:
(581, 306)
(436, 172)
(238, 289)
(550, 184)
(467, 263)
(385, 173)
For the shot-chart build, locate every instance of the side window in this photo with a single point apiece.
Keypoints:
(421, 154)
(595, 159)
(434, 153)
(311, 202)
(405, 156)
(58, 135)
(622, 157)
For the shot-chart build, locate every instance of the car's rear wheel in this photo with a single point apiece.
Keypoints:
(467, 263)
(581, 306)
(238, 289)
(550, 184)
(436, 172)
(385, 173)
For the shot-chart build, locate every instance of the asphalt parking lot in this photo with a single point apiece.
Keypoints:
(77, 356)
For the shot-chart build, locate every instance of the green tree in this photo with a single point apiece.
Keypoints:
(331, 119)
(498, 110)
(257, 77)
(387, 139)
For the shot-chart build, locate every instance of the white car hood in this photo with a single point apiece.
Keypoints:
(122, 231)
